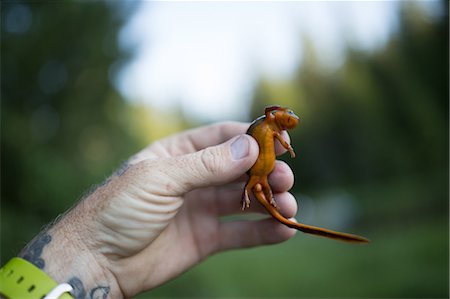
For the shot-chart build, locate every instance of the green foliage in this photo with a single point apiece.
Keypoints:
(64, 127)
(378, 116)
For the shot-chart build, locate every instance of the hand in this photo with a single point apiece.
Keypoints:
(160, 214)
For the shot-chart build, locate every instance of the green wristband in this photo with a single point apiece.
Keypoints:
(20, 279)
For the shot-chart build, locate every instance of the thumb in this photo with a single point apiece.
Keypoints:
(214, 165)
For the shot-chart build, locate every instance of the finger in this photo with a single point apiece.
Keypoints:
(244, 234)
(206, 136)
(214, 165)
(282, 178)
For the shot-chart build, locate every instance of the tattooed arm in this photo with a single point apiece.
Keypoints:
(65, 259)
(160, 214)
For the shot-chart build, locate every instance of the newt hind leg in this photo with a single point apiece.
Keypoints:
(264, 194)
(268, 193)
(245, 203)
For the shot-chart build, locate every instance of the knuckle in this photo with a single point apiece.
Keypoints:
(211, 160)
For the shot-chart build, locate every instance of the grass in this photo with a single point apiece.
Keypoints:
(408, 257)
(406, 263)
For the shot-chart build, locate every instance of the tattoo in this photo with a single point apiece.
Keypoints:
(78, 288)
(104, 183)
(33, 251)
(100, 292)
(122, 168)
(119, 172)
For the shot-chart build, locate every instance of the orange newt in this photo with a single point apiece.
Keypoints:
(264, 129)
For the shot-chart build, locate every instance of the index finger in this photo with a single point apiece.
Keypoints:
(206, 136)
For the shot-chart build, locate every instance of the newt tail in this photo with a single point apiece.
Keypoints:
(303, 227)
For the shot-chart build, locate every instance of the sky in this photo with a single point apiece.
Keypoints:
(206, 57)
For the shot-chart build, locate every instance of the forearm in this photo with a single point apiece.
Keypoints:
(62, 251)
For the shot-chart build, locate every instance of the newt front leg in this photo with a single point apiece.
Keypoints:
(284, 143)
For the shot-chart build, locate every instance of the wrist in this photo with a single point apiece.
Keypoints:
(62, 253)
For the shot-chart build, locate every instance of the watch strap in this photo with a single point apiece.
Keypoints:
(21, 279)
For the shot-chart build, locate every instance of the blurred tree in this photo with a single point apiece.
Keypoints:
(64, 127)
(379, 116)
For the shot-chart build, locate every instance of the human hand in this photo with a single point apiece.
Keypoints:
(160, 215)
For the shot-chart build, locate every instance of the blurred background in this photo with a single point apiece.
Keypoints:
(86, 85)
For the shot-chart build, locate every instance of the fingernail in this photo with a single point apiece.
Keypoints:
(239, 148)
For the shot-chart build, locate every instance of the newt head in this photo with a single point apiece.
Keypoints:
(286, 118)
